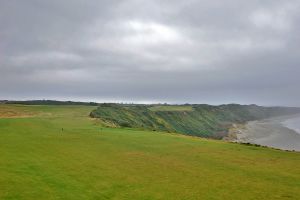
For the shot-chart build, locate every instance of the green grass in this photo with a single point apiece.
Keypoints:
(171, 108)
(84, 161)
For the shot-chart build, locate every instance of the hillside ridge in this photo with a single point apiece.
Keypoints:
(191, 119)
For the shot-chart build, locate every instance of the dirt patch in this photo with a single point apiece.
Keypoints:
(11, 112)
(233, 131)
(14, 115)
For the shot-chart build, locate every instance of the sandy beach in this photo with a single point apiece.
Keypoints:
(270, 132)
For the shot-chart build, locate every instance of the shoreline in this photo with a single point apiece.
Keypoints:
(268, 132)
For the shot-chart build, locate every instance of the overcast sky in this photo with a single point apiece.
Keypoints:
(191, 51)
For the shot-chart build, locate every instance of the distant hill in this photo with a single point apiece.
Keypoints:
(197, 120)
(49, 102)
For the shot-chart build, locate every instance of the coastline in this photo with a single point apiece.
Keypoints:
(268, 132)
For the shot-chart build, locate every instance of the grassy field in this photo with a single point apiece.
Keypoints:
(58, 152)
(171, 108)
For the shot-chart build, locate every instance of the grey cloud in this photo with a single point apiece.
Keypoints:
(151, 51)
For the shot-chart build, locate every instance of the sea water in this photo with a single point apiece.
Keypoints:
(293, 123)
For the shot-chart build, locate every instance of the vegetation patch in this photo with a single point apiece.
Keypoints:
(180, 108)
(197, 120)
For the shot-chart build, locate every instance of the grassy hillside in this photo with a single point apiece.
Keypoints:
(198, 120)
(58, 152)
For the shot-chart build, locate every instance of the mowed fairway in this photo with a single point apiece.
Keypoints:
(58, 152)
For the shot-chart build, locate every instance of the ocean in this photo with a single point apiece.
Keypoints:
(293, 123)
(280, 132)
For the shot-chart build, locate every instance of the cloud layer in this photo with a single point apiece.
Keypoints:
(151, 51)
